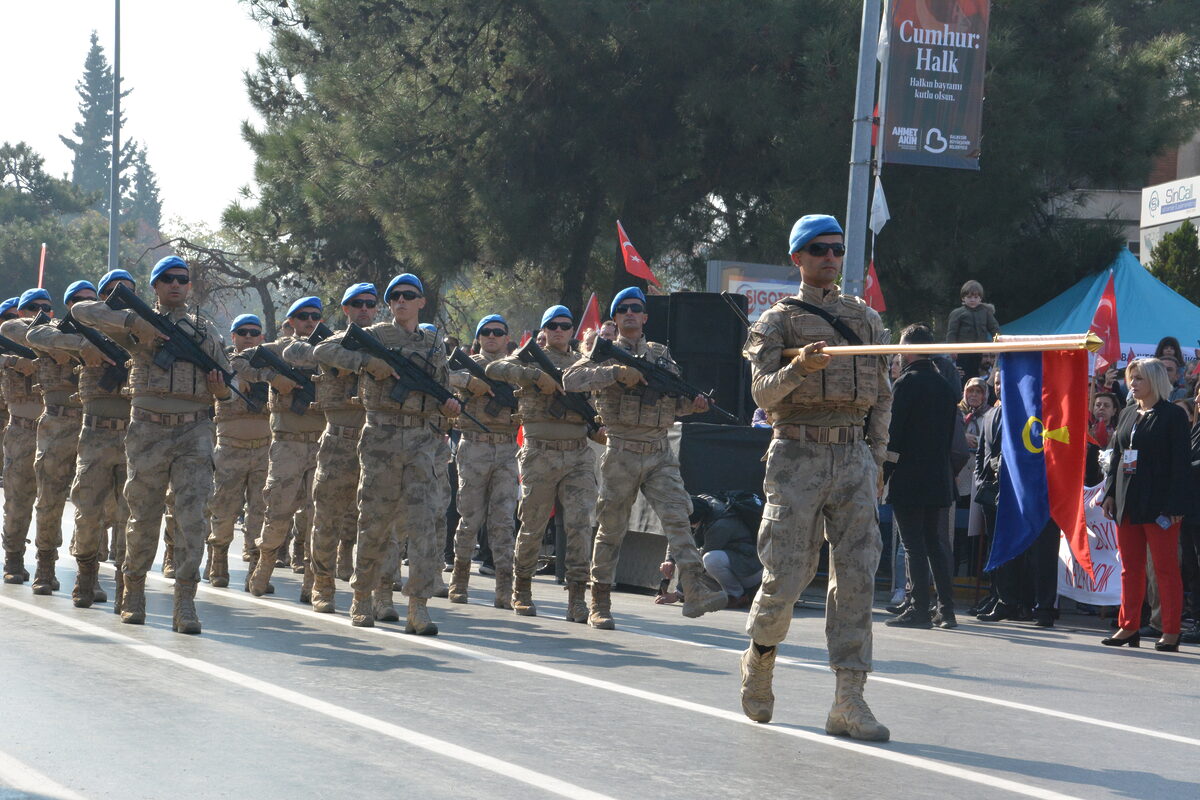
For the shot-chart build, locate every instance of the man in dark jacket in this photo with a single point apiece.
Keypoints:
(919, 480)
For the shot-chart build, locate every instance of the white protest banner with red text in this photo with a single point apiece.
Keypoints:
(1104, 588)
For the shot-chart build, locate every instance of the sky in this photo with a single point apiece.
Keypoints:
(184, 61)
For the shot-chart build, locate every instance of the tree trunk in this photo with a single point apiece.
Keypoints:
(581, 254)
(264, 295)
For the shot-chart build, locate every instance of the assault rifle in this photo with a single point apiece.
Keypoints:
(9, 347)
(502, 393)
(182, 342)
(305, 392)
(115, 373)
(413, 377)
(659, 379)
(320, 334)
(532, 354)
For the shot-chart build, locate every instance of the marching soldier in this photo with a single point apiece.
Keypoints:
(487, 470)
(638, 457)
(239, 462)
(823, 474)
(396, 454)
(294, 439)
(169, 441)
(555, 463)
(334, 502)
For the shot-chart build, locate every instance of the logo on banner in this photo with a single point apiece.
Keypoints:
(933, 136)
(1154, 204)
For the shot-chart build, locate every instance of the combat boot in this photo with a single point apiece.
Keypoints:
(169, 561)
(14, 568)
(322, 595)
(133, 601)
(119, 592)
(418, 622)
(459, 579)
(698, 597)
(249, 550)
(260, 577)
(522, 597)
(306, 588)
(185, 619)
(504, 586)
(84, 593)
(298, 555)
(850, 715)
(43, 579)
(758, 701)
(345, 560)
(361, 615)
(577, 610)
(601, 616)
(382, 604)
(98, 593)
(218, 565)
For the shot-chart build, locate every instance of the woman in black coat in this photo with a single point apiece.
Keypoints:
(1148, 494)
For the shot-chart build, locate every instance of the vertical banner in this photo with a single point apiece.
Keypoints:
(1103, 586)
(933, 82)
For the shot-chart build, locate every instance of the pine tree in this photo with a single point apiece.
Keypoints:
(1175, 261)
(92, 144)
(143, 205)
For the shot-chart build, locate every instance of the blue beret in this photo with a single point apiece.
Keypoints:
(305, 302)
(631, 293)
(810, 226)
(358, 288)
(170, 262)
(408, 278)
(114, 275)
(428, 327)
(556, 311)
(487, 319)
(9, 305)
(75, 288)
(244, 319)
(29, 295)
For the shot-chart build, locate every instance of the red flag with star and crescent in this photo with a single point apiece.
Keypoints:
(1104, 325)
(591, 318)
(871, 291)
(634, 263)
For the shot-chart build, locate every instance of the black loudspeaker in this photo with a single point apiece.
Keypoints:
(658, 318)
(705, 324)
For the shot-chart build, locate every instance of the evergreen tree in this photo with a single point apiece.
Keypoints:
(143, 204)
(1175, 261)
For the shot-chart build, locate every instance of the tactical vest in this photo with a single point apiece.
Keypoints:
(55, 377)
(848, 381)
(503, 419)
(89, 383)
(337, 390)
(18, 388)
(182, 380)
(619, 404)
(283, 405)
(375, 394)
(538, 407)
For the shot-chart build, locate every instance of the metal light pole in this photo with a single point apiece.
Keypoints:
(114, 187)
(860, 152)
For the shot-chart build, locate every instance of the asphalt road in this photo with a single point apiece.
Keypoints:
(274, 701)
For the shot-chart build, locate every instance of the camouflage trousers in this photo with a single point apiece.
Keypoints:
(239, 475)
(96, 491)
(487, 491)
(570, 478)
(335, 508)
(396, 496)
(816, 492)
(20, 484)
(622, 474)
(288, 491)
(54, 466)
(162, 456)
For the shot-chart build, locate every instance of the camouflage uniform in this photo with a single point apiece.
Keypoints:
(336, 481)
(637, 456)
(20, 445)
(556, 463)
(293, 460)
(487, 488)
(821, 478)
(169, 443)
(396, 488)
(240, 473)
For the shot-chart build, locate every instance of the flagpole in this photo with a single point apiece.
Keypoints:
(42, 266)
(1003, 344)
(860, 152)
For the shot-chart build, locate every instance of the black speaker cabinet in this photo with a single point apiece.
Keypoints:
(704, 324)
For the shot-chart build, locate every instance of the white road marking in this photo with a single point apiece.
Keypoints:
(439, 747)
(24, 778)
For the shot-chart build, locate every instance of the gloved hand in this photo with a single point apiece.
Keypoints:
(810, 359)
(478, 387)
(25, 366)
(627, 375)
(141, 329)
(92, 357)
(283, 384)
(378, 369)
(546, 384)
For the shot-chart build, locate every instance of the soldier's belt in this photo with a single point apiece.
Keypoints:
(28, 423)
(562, 445)
(645, 448)
(343, 431)
(844, 434)
(105, 423)
(312, 437)
(399, 420)
(242, 444)
(63, 411)
(172, 419)
(489, 438)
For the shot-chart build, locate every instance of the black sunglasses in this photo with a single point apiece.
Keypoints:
(39, 307)
(559, 326)
(182, 280)
(315, 316)
(248, 332)
(407, 295)
(7, 317)
(362, 303)
(821, 248)
(493, 332)
(631, 307)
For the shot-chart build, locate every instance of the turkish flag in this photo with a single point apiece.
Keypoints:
(634, 264)
(1104, 325)
(871, 291)
(591, 317)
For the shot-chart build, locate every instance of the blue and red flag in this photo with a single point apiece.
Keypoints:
(1043, 452)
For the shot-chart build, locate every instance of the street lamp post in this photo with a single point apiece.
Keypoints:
(860, 152)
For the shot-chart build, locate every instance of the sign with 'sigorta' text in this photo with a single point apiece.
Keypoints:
(934, 57)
